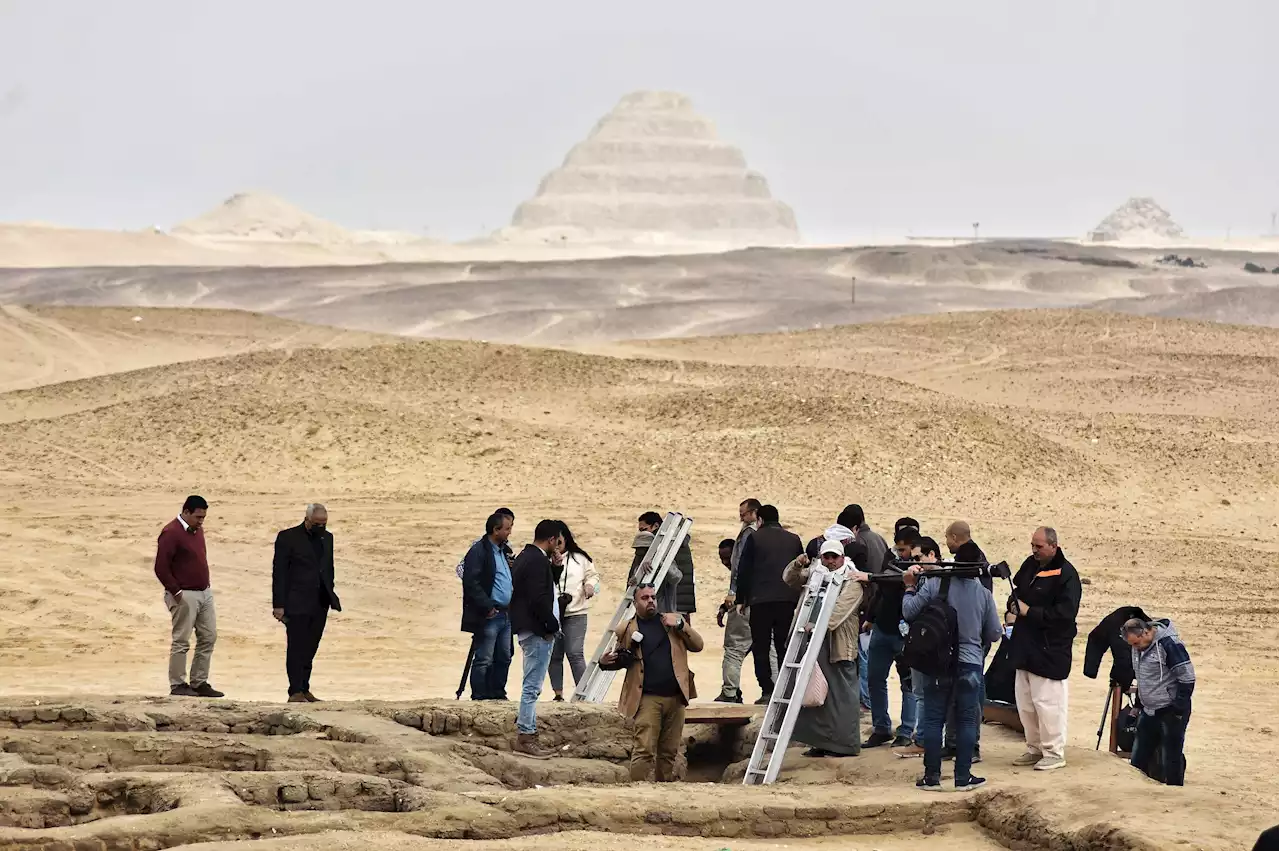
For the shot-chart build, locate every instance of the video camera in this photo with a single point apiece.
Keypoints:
(943, 569)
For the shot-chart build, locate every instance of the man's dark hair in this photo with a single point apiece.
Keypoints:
(495, 521)
(907, 535)
(728, 542)
(751, 503)
(507, 511)
(852, 516)
(905, 522)
(195, 503)
(546, 530)
(650, 518)
(767, 513)
(929, 545)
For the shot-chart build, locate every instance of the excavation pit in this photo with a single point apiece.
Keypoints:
(380, 770)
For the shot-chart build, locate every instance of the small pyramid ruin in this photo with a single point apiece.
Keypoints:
(654, 171)
(261, 217)
(1137, 220)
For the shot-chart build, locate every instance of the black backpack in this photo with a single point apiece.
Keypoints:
(933, 638)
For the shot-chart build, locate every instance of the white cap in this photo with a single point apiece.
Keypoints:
(832, 547)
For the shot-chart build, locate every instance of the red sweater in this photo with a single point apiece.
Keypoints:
(181, 563)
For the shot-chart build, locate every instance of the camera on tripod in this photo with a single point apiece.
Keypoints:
(943, 569)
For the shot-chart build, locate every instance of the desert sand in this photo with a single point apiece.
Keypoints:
(1150, 443)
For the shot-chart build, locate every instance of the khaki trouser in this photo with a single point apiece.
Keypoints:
(1042, 706)
(659, 730)
(194, 611)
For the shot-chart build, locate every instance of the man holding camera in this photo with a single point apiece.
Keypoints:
(653, 649)
(1047, 596)
(1166, 680)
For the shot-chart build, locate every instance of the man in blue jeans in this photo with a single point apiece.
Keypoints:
(976, 624)
(535, 618)
(885, 645)
(486, 596)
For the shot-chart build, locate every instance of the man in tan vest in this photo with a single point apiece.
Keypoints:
(654, 651)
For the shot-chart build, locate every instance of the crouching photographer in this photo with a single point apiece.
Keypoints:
(653, 649)
(1166, 680)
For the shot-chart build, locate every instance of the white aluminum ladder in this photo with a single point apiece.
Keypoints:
(594, 686)
(806, 642)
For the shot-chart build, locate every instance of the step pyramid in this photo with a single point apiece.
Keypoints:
(654, 171)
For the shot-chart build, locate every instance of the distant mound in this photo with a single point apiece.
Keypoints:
(654, 171)
(1137, 220)
(258, 216)
(1235, 305)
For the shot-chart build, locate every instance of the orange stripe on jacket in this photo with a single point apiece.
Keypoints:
(1045, 573)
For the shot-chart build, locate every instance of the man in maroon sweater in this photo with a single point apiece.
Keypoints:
(183, 569)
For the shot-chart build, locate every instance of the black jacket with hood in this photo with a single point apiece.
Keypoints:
(1042, 638)
(533, 593)
(1106, 636)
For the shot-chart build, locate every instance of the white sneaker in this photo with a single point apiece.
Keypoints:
(1049, 763)
(1029, 758)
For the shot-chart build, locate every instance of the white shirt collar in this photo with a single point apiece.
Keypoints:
(185, 525)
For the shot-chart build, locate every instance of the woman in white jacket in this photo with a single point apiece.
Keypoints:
(576, 584)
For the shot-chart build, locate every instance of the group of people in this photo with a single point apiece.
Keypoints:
(541, 597)
(302, 595)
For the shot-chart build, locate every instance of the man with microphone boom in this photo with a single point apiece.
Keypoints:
(654, 652)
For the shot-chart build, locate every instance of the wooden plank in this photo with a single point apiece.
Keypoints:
(724, 714)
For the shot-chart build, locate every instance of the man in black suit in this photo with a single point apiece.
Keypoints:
(535, 618)
(302, 594)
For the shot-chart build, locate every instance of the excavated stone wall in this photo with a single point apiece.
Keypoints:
(159, 774)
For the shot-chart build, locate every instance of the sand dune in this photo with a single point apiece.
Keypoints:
(578, 302)
(1150, 443)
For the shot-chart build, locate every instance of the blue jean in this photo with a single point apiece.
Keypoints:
(1166, 731)
(863, 693)
(940, 693)
(917, 691)
(949, 737)
(884, 646)
(492, 661)
(537, 658)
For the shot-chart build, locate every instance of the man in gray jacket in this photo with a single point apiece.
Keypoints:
(648, 525)
(977, 624)
(1166, 680)
(737, 628)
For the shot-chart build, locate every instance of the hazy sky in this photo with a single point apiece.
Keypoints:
(866, 117)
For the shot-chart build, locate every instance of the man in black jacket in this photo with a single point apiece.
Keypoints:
(682, 598)
(771, 602)
(302, 594)
(535, 618)
(486, 597)
(1047, 596)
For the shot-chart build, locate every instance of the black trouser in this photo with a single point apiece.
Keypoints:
(769, 621)
(304, 633)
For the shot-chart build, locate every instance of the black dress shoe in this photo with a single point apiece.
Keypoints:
(901, 742)
(817, 752)
(875, 740)
(183, 690)
(206, 690)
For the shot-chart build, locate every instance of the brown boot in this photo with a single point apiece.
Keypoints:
(298, 697)
(527, 744)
